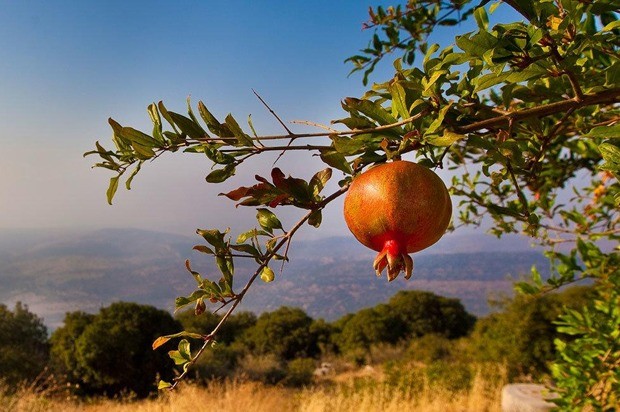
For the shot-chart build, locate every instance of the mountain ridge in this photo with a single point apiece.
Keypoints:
(83, 270)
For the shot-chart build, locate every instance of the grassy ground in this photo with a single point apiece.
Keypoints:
(360, 395)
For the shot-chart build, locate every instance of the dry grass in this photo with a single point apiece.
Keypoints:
(254, 397)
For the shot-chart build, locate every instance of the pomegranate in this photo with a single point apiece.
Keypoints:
(397, 208)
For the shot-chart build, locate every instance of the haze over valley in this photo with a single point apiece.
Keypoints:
(62, 271)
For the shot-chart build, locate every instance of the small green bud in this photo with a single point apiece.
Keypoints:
(267, 275)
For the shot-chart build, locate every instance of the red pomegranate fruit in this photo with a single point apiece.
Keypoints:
(397, 208)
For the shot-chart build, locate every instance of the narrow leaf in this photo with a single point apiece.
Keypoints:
(370, 109)
(399, 103)
(132, 175)
(112, 188)
(188, 126)
(336, 160)
(236, 130)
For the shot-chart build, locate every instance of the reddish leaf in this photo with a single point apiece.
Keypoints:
(278, 177)
(238, 193)
(278, 200)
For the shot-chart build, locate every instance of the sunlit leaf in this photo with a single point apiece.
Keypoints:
(113, 186)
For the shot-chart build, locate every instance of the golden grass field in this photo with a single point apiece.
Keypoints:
(234, 396)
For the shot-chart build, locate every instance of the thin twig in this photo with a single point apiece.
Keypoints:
(574, 84)
(291, 134)
(275, 148)
(313, 124)
(273, 113)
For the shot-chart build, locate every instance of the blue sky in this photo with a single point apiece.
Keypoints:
(66, 66)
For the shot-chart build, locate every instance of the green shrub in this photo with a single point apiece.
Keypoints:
(300, 372)
(24, 350)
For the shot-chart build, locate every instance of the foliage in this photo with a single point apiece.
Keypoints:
(408, 314)
(521, 336)
(422, 313)
(63, 359)
(285, 332)
(105, 353)
(526, 111)
(588, 369)
(23, 344)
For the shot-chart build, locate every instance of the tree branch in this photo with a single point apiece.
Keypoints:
(236, 300)
(607, 96)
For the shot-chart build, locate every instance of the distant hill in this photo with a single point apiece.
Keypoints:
(61, 271)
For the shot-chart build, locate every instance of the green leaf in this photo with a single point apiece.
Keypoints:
(399, 101)
(446, 139)
(433, 79)
(163, 385)
(249, 249)
(370, 109)
(526, 288)
(336, 160)
(164, 112)
(611, 154)
(136, 136)
(318, 181)
(212, 123)
(481, 18)
(112, 188)
(176, 356)
(143, 152)
(268, 220)
(226, 266)
(478, 44)
(612, 74)
(315, 218)
(188, 126)
(220, 175)
(132, 175)
(156, 120)
(436, 124)
(181, 301)
(348, 146)
(214, 237)
(236, 130)
(250, 234)
(184, 349)
(611, 26)
(604, 132)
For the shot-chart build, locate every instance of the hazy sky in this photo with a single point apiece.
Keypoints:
(66, 66)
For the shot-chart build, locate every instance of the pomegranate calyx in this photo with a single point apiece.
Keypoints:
(395, 261)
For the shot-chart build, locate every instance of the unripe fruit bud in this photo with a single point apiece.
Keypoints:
(267, 275)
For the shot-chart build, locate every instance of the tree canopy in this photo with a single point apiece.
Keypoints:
(107, 353)
(23, 344)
